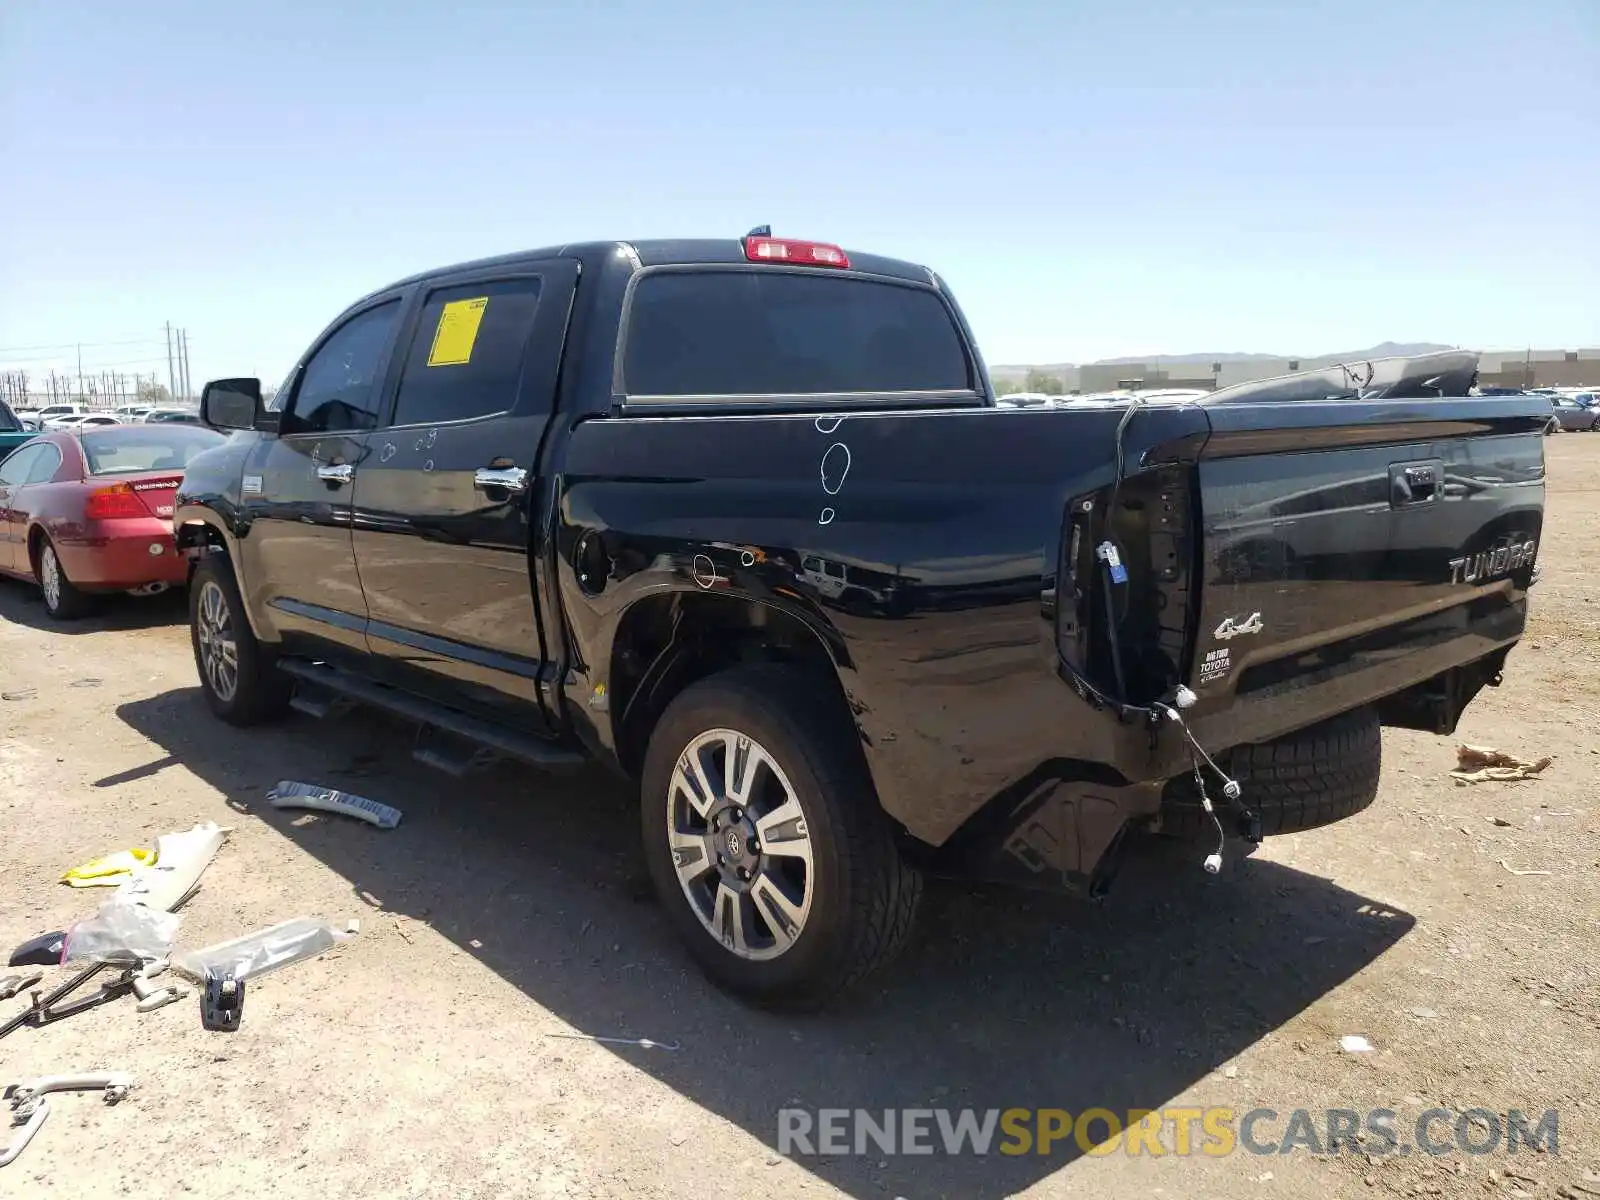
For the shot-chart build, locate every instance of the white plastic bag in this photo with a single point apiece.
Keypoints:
(256, 954)
(122, 932)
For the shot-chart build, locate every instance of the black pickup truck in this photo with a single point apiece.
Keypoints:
(743, 519)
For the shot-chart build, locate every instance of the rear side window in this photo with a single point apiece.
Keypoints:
(146, 447)
(46, 465)
(765, 333)
(14, 470)
(8, 419)
(466, 358)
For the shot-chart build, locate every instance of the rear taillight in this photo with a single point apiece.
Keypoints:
(110, 503)
(787, 250)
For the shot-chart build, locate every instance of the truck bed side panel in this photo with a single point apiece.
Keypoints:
(925, 544)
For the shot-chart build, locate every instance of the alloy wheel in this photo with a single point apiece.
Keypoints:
(740, 845)
(219, 653)
(50, 577)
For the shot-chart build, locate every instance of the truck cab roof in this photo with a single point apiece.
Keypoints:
(657, 252)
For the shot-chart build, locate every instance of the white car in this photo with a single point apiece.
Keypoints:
(51, 412)
(131, 412)
(82, 421)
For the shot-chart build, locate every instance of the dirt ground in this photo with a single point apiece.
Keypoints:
(416, 1061)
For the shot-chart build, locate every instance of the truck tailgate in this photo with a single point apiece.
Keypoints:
(1340, 536)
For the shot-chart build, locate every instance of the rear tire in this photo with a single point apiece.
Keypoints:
(62, 600)
(1304, 780)
(240, 682)
(848, 897)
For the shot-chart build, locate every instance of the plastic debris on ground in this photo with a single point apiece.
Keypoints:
(1354, 1043)
(290, 794)
(255, 954)
(151, 995)
(646, 1043)
(123, 932)
(111, 871)
(1485, 764)
(12, 985)
(29, 1108)
(42, 951)
(1519, 871)
(181, 858)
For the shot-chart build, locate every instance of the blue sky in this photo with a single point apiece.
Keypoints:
(1093, 180)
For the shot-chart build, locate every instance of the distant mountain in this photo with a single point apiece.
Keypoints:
(1390, 350)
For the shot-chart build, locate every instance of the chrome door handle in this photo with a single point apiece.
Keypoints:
(339, 473)
(507, 479)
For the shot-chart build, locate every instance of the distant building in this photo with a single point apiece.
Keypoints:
(1519, 368)
(1105, 377)
(1541, 368)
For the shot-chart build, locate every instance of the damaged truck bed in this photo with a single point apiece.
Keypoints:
(742, 518)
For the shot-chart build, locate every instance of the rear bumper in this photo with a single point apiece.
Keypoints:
(117, 555)
(1364, 670)
(1060, 823)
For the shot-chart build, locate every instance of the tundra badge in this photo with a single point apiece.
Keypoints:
(1491, 564)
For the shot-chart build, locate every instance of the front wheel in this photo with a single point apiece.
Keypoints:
(240, 682)
(766, 843)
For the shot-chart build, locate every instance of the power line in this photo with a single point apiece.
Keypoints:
(18, 363)
(78, 345)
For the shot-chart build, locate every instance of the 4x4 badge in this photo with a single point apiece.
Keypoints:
(1229, 629)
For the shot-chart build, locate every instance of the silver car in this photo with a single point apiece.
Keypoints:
(1574, 417)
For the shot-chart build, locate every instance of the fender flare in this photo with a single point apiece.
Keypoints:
(191, 523)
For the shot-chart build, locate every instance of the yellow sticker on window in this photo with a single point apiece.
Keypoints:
(457, 331)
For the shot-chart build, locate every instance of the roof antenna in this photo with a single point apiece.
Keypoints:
(760, 231)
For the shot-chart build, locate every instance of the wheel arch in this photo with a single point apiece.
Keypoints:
(667, 641)
(35, 543)
(199, 533)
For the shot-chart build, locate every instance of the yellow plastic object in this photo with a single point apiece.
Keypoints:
(110, 871)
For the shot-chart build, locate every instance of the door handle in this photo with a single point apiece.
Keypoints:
(1415, 483)
(506, 479)
(338, 474)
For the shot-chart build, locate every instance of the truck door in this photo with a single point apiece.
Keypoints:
(443, 501)
(298, 565)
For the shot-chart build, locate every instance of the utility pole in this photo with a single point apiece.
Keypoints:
(80, 368)
(188, 387)
(172, 384)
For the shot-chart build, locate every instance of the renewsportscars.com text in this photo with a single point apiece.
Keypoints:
(1213, 1132)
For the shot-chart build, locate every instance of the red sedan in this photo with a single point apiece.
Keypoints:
(90, 510)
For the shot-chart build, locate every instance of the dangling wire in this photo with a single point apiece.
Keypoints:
(1213, 863)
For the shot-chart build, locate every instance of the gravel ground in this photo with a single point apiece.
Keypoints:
(415, 1060)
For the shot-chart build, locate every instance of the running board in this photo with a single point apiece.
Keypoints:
(541, 752)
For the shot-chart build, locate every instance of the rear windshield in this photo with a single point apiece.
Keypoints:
(763, 333)
(124, 449)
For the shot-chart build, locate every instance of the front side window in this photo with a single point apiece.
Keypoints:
(339, 388)
(466, 358)
(763, 332)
